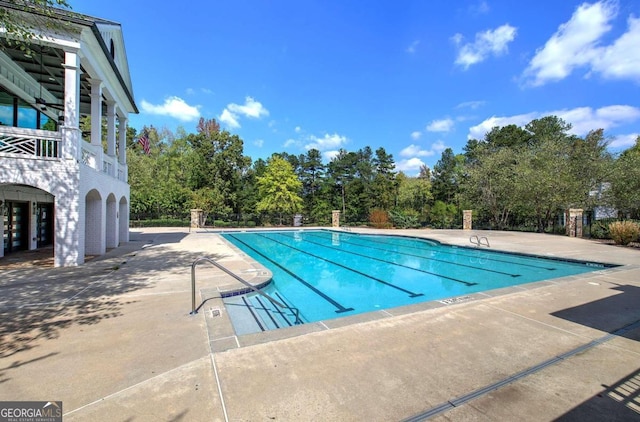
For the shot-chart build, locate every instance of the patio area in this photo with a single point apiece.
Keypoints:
(113, 340)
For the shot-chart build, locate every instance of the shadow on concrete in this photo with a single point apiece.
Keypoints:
(41, 257)
(609, 314)
(36, 303)
(619, 402)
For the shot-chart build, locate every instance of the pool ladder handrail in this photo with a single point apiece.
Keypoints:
(194, 310)
(478, 241)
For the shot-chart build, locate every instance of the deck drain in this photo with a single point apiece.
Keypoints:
(453, 300)
(215, 312)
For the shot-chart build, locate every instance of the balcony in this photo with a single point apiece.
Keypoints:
(33, 143)
(46, 145)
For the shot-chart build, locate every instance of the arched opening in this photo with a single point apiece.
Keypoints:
(27, 215)
(93, 230)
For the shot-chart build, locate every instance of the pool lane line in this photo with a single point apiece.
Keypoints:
(386, 283)
(467, 283)
(458, 401)
(471, 256)
(340, 309)
(414, 255)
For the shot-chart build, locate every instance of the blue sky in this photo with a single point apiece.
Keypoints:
(414, 77)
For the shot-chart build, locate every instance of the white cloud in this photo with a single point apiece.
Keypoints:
(412, 48)
(478, 131)
(573, 44)
(298, 129)
(444, 125)
(290, 142)
(480, 8)
(330, 155)
(582, 119)
(251, 108)
(410, 166)
(621, 60)
(416, 135)
(473, 105)
(229, 119)
(624, 141)
(327, 142)
(415, 151)
(174, 107)
(487, 43)
(259, 143)
(578, 43)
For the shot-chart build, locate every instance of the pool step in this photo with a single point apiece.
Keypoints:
(254, 313)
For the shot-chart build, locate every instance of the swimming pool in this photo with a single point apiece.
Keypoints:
(327, 274)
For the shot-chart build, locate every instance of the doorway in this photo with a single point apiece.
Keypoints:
(44, 221)
(16, 227)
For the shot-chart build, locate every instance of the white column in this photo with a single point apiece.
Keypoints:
(71, 126)
(111, 129)
(122, 139)
(69, 220)
(96, 111)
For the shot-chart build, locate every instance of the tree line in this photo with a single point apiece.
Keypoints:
(515, 177)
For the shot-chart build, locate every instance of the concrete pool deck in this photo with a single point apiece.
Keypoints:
(113, 339)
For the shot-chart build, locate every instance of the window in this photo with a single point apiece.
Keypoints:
(6, 109)
(27, 115)
(19, 113)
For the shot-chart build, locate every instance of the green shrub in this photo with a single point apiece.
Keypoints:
(600, 228)
(442, 215)
(405, 219)
(251, 223)
(624, 232)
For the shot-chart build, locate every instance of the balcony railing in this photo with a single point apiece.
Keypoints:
(31, 142)
(34, 143)
(96, 159)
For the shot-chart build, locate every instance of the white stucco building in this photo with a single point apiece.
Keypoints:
(58, 185)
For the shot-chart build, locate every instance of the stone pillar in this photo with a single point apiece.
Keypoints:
(467, 219)
(335, 218)
(197, 218)
(574, 222)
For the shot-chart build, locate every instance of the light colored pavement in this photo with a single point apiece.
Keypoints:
(113, 339)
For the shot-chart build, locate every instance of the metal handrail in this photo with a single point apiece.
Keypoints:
(217, 265)
(478, 241)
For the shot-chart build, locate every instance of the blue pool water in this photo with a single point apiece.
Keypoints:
(327, 274)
